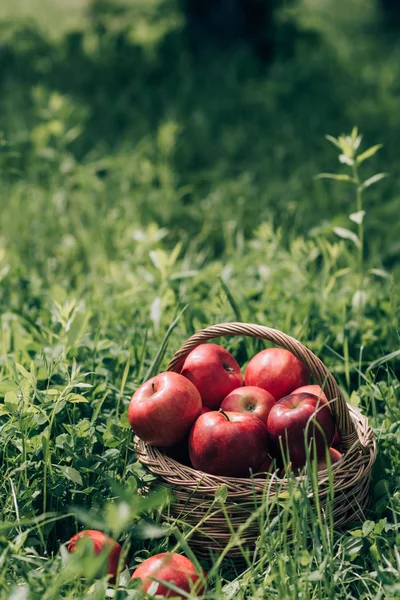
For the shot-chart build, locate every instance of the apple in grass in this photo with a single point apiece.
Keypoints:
(251, 400)
(169, 568)
(163, 409)
(299, 420)
(214, 372)
(277, 371)
(228, 444)
(101, 543)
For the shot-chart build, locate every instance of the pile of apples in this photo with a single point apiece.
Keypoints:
(212, 418)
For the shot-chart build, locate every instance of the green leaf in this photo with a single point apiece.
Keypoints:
(354, 399)
(221, 493)
(71, 474)
(153, 368)
(375, 553)
(380, 526)
(372, 180)
(25, 374)
(75, 398)
(380, 273)
(381, 488)
(367, 528)
(8, 385)
(368, 153)
(353, 546)
(336, 177)
(10, 398)
(357, 217)
(304, 558)
(333, 141)
(346, 160)
(346, 234)
(125, 374)
(383, 359)
(315, 576)
(359, 300)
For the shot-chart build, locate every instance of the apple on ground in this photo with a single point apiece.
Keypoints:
(251, 400)
(214, 372)
(335, 456)
(163, 409)
(318, 391)
(101, 543)
(229, 444)
(277, 371)
(169, 568)
(299, 420)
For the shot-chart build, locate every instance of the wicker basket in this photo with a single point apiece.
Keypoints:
(194, 492)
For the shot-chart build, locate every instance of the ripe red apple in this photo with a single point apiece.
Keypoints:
(335, 457)
(164, 408)
(297, 418)
(180, 451)
(336, 440)
(251, 400)
(318, 391)
(266, 467)
(311, 389)
(228, 444)
(277, 371)
(213, 371)
(100, 543)
(169, 568)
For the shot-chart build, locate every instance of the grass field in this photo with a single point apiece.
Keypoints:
(140, 188)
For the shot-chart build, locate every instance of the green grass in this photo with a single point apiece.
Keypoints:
(136, 182)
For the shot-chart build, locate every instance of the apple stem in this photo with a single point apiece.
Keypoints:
(224, 413)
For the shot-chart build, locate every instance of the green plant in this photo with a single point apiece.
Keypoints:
(351, 157)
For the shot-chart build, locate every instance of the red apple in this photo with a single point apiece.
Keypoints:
(228, 444)
(266, 467)
(318, 391)
(169, 568)
(335, 457)
(213, 371)
(101, 542)
(336, 440)
(180, 451)
(251, 400)
(311, 389)
(299, 419)
(164, 408)
(277, 371)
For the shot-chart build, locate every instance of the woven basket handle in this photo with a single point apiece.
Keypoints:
(340, 411)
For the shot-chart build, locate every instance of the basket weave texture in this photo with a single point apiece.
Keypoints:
(194, 492)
